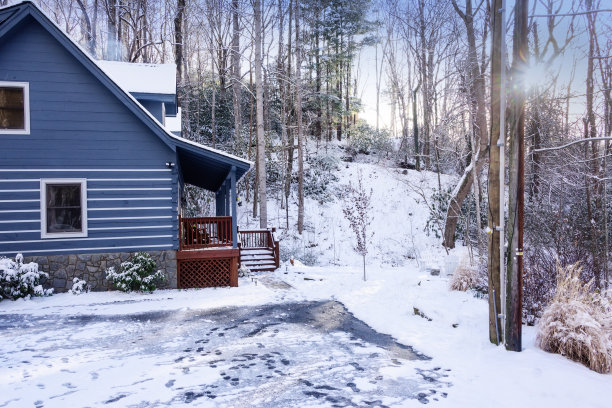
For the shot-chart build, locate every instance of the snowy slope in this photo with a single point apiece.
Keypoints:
(398, 213)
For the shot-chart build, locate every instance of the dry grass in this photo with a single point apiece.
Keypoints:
(578, 322)
(465, 277)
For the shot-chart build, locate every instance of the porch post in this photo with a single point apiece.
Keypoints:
(219, 201)
(233, 199)
(227, 196)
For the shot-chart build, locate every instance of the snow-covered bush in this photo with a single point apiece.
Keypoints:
(364, 139)
(320, 178)
(19, 280)
(79, 286)
(578, 322)
(244, 271)
(139, 274)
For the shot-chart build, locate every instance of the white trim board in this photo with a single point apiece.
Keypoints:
(89, 249)
(127, 189)
(129, 179)
(130, 218)
(85, 239)
(129, 208)
(131, 199)
(18, 211)
(97, 170)
(130, 228)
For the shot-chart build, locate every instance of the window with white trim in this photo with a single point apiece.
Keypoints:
(14, 108)
(63, 208)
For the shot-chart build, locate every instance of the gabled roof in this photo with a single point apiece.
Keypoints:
(208, 167)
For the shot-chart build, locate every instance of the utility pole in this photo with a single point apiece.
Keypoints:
(502, 171)
(514, 280)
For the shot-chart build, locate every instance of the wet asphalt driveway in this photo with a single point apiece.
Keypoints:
(296, 354)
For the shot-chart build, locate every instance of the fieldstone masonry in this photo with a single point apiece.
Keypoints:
(62, 269)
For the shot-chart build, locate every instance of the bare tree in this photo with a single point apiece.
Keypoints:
(477, 97)
(261, 137)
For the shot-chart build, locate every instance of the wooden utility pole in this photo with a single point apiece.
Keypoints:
(514, 280)
(494, 173)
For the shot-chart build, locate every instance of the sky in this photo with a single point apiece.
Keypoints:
(537, 76)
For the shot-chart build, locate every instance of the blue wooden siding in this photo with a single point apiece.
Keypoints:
(79, 129)
(156, 109)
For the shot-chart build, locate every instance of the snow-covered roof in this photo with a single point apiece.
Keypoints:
(142, 78)
(173, 123)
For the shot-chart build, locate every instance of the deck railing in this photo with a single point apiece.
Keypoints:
(205, 232)
(260, 239)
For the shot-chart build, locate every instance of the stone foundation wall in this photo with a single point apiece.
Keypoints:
(62, 269)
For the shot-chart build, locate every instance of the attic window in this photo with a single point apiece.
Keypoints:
(64, 208)
(14, 108)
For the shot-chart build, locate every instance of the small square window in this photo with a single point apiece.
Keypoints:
(14, 108)
(64, 208)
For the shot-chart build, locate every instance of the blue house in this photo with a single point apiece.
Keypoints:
(92, 171)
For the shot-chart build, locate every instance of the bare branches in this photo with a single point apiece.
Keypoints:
(575, 142)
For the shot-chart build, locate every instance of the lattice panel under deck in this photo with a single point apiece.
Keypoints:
(204, 273)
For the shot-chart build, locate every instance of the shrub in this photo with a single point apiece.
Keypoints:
(19, 280)
(79, 286)
(320, 178)
(136, 275)
(364, 139)
(578, 322)
(464, 278)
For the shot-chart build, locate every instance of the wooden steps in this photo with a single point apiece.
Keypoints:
(259, 249)
(258, 259)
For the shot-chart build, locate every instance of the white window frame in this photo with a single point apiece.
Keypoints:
(43, 207)
(26, 107)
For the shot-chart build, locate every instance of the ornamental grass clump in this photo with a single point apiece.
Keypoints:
(19, 280)
(578, 322)
(136, 275)
(464, 278)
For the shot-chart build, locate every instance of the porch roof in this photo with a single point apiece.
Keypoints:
(206, 167)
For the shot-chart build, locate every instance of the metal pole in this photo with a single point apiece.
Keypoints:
(502, 173)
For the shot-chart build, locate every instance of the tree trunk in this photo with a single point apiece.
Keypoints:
(317, 125)
(236, 71)
(261, 140)
(298, 113)
(494, 175)
(415, 131)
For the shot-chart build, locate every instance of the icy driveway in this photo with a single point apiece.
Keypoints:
(279, 355)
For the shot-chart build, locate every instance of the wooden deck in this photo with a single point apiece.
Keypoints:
(207, 256)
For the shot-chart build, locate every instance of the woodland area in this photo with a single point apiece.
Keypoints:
(278, 81)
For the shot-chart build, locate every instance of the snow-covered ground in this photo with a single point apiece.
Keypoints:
(450, 327)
